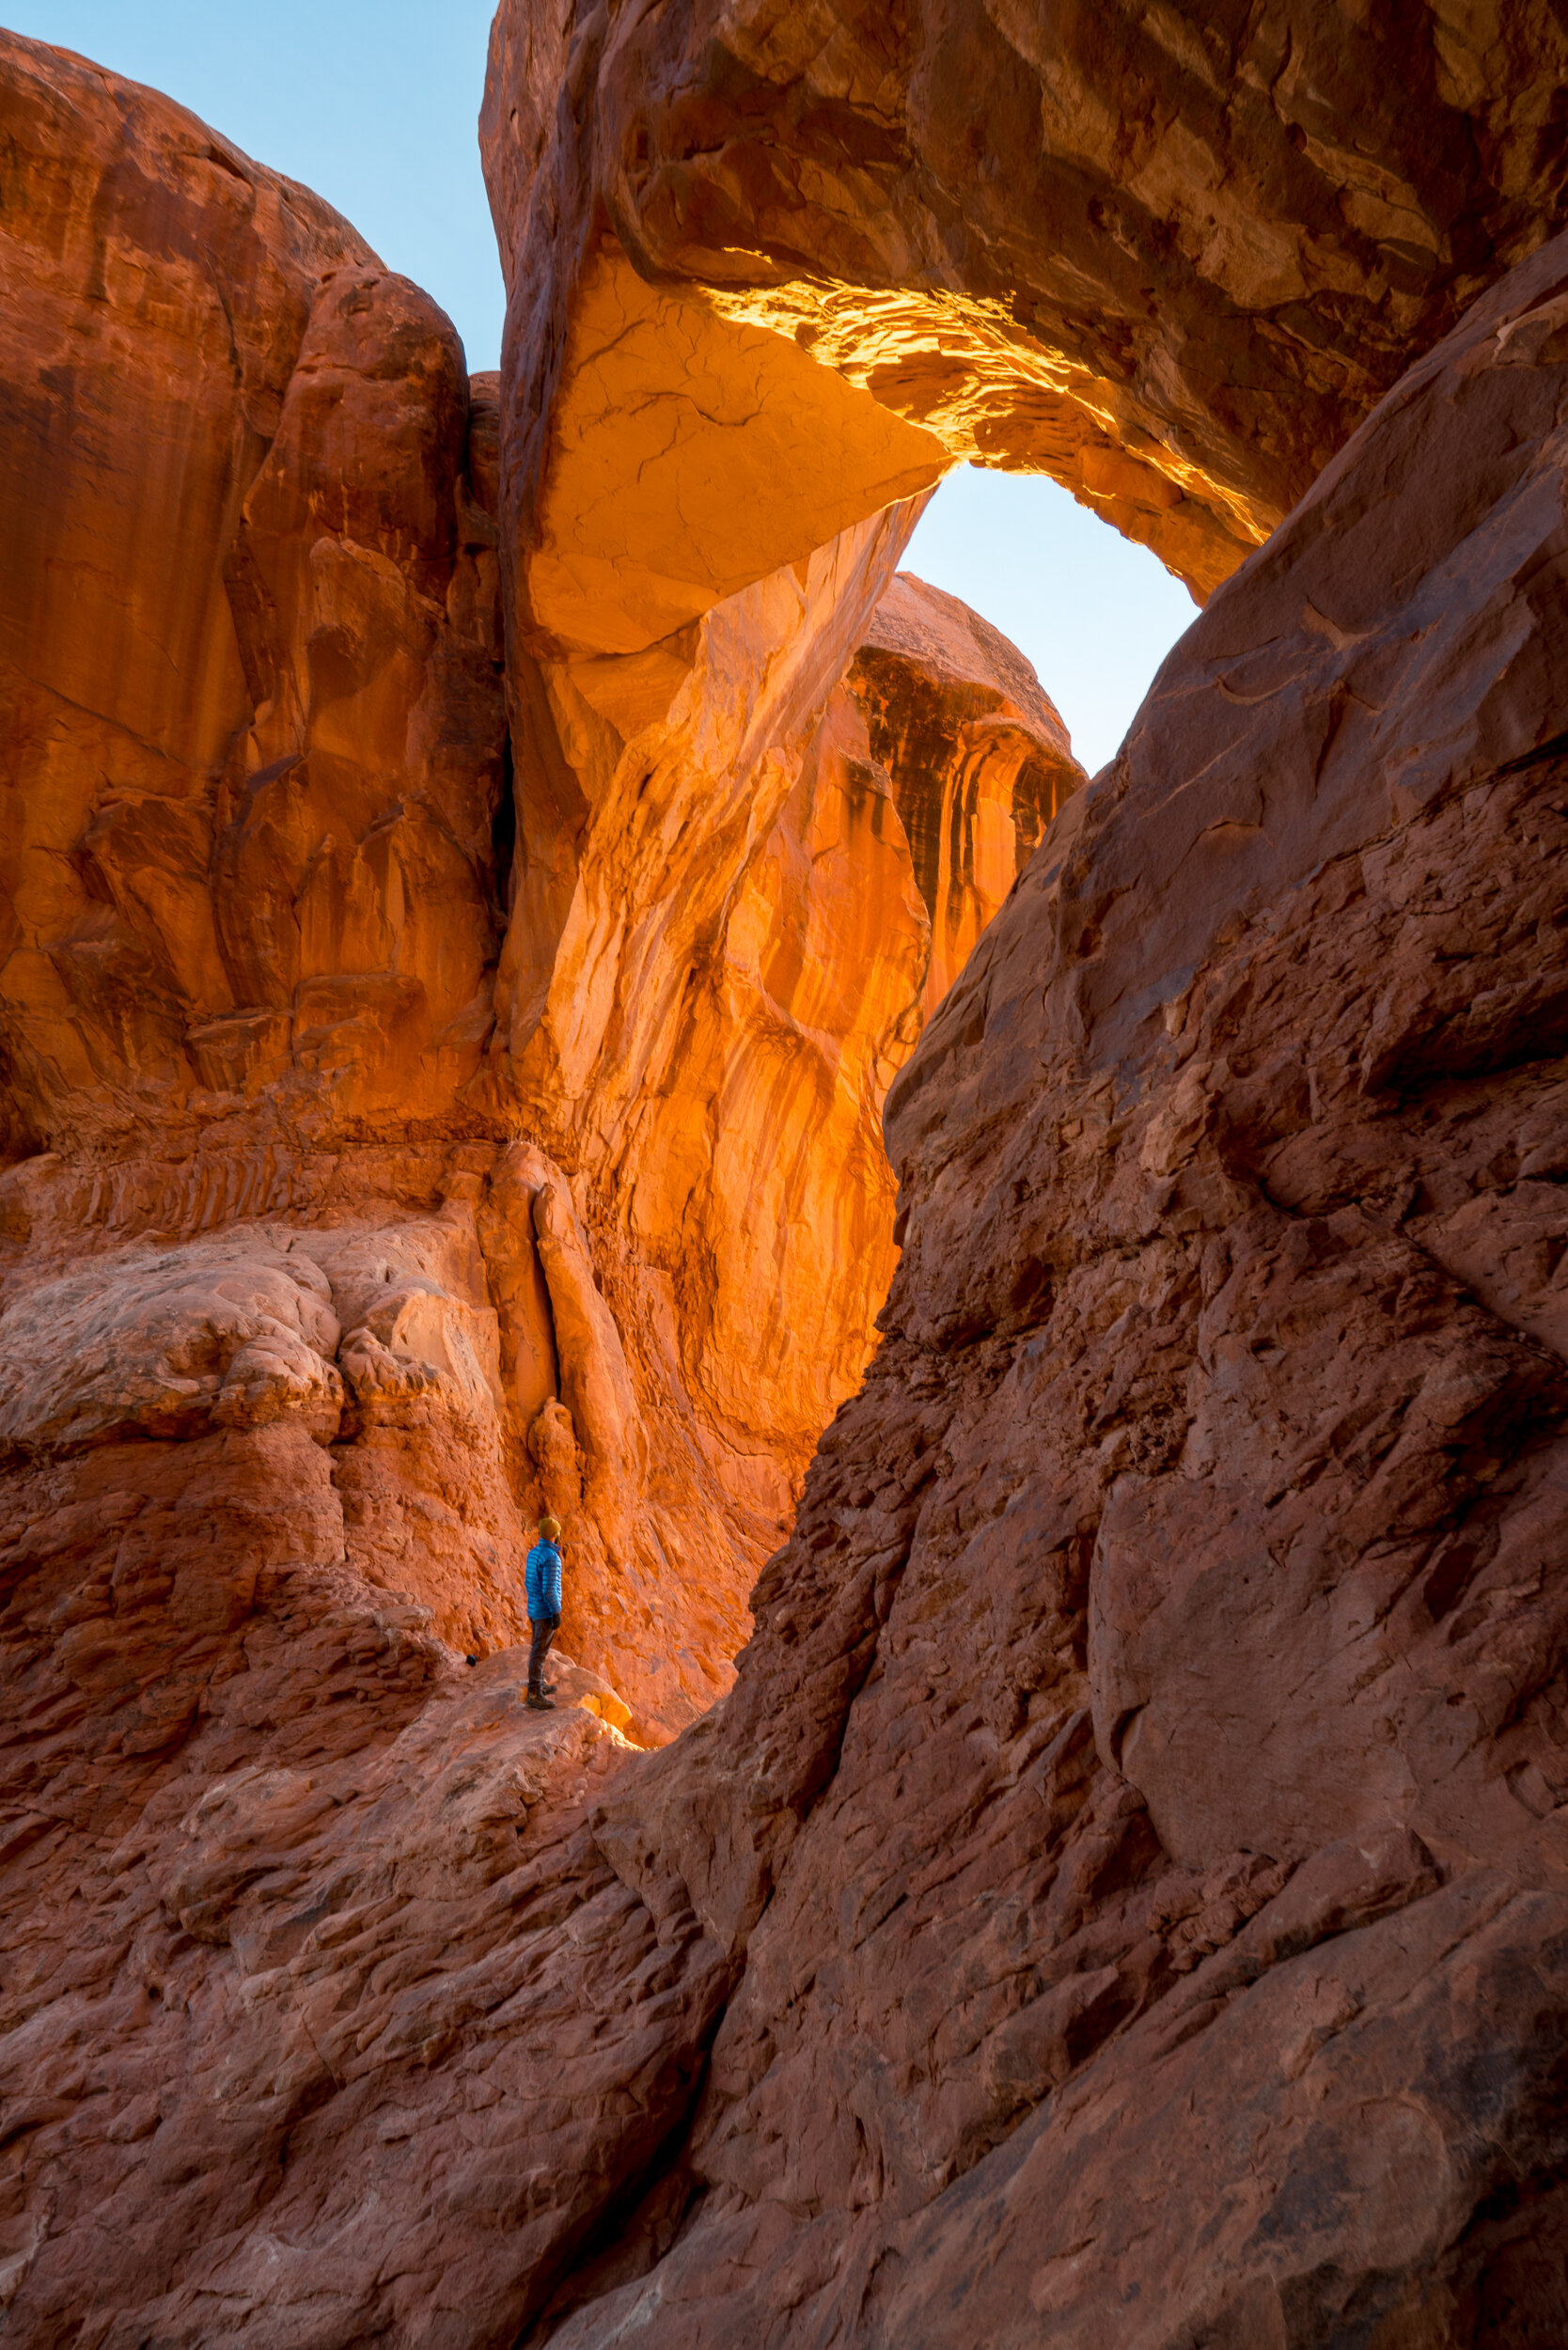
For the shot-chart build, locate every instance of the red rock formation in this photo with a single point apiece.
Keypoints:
(1005, 1882)
(1167, 255)
(654, 1021)
(950, 703)
(1131, 1843)
(920, 794)
(250, 639)
(1138, 1807)
(261, 904)
(707, 429)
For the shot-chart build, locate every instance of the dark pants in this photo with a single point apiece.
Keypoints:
(545, 1629)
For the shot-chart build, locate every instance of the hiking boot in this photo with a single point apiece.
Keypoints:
(541, 1704)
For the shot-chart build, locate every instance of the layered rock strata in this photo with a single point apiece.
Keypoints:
(1169, 257)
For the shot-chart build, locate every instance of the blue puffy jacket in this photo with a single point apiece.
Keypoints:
(543, 1582)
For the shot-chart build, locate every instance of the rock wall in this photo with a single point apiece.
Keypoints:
(281, 941)
(250, 635)
(978, 755)
(1121, 1895)
(1137, 1821)
(1130, 1845)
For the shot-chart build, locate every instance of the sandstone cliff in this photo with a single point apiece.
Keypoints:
(1159, 1698)
(978, 755)
(264, 891)
(1122, 1897)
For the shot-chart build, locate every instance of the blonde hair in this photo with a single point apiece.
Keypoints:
(549, 1529)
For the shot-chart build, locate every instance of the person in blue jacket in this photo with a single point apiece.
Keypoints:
(543, 1583)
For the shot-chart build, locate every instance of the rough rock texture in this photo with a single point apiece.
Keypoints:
(1170, 255)
(1131, 1843)
(263, 886)
(1139, 1807)
(769, 273)
(1122, 1898)
(249, 632)
(219, 1947)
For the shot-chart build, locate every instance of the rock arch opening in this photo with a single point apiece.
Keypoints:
(357, 1204)
(1092, 612)
(769, 278)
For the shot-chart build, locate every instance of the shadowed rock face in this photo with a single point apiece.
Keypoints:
(1122, 1896)
(1133, 1841)
(1139, 1807)
(1170, 255)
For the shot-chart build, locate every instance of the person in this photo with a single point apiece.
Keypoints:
(543, 1585)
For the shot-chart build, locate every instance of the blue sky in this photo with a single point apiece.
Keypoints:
(374, 102)
(1094, 613)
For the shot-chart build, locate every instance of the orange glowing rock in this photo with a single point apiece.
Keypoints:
(1168, 259)
(978, 758)
(1152, 1714)
(270, 951)
(689, 458)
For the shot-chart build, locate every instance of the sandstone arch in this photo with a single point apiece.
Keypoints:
(1215, 1982)
(1170, 255)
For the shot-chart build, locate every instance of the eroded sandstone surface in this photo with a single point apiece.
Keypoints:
(1169, 254)
(978, 756)
(1121, 1898)
(1139, 1810)
(279, 945)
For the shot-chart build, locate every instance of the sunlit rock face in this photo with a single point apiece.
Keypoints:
(280, 941)
(389, 1157)
(249, 629)
(729, 1005)
(1125, 1875)
(1150, 1747)
(711, 974)
(978, 758)
(1168, 255)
